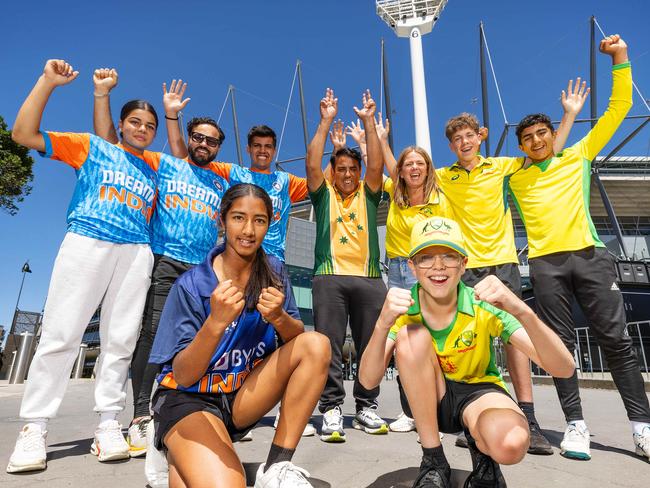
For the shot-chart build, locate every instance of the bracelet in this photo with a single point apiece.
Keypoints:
(97, 95)
(171, 118)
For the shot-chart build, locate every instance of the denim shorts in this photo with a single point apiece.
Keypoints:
(399, 273)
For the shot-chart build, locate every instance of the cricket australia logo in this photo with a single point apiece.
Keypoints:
(436, 225)
(465, 341)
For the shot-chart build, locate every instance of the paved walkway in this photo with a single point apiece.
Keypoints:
(363, 461)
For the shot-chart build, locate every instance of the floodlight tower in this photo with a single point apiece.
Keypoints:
(413, 19)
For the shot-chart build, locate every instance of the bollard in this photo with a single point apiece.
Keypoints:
(22, 359)
(81, 361)
(13, 362)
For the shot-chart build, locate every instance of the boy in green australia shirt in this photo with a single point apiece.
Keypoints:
(441, 333)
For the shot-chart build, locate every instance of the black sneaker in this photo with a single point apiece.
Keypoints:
(433, 476)
(538, 443)
(461, 440)
(486, 473)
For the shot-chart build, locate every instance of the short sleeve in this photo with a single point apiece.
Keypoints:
(68, 147)
(510, 165)
(181, 319)
(297, 188)
(373, 196)
(223, 170)
(289, 300)
(502, 324)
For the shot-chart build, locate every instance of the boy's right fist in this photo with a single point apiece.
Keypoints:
(615, 47)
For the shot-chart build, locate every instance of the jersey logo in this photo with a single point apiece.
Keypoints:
(455, 177)
(276, 215)
(466, 338)
(277, 186)
(218, 185)
(436, 225)
(426, 211)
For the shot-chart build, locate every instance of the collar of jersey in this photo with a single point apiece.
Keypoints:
(465, 300)
(482, 162)
(130, 151)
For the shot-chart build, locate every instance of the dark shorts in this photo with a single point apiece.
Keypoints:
(457, 397)
(171, 406)
(508, 273)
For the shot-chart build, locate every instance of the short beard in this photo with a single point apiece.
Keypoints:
(200, 160)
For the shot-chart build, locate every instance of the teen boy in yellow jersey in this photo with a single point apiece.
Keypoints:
(347, 286)
(442, 332)
(567, 259)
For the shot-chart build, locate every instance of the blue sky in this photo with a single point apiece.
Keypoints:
(536, 48)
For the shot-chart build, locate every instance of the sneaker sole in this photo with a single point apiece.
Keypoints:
(461, 442)
(580, 456)
(401, 429)
(21, 468)
(334, 437)
(381, 430)
(135, 452)
(103, 457)
(540, 451)
(639, 452)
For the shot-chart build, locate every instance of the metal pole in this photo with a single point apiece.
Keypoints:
(420, 112)
(389, 108)
(610, 212)
(484, 93)
(22, 359)
(20, 291)
(231, 89)
(502, 139)
(592, 71)
(303, 110)
(81, 361)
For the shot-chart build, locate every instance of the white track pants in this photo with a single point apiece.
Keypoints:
(88, 272)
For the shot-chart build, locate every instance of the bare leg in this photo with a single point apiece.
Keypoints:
(498, 426)
(200, 451)
(296, 374)
(519, 369)
(421, 377)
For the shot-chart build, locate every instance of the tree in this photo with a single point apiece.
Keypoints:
(15, 171)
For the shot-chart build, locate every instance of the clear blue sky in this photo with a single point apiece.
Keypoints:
(536, 48)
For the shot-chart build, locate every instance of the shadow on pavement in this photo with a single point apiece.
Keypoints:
(555, 437)
(80, 447)
(251, 471)
(404, 478)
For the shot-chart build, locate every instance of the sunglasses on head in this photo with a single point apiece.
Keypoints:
(199, 138)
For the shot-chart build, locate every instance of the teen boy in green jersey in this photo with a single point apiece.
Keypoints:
(567, 259)
(441, 332)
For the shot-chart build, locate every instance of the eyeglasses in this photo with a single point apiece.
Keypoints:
(210, 141)
(426, 261)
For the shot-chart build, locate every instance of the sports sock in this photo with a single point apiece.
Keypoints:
(42, 423)
(529, 411)
(637, 427)
(277, 454)
(579, 423)
(435, 455)
(105, 417)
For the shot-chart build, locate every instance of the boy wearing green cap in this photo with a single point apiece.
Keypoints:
(441, 332)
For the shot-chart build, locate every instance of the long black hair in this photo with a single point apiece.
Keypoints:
(262, 276)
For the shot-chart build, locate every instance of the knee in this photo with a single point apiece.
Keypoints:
(413, 345)
(316, 347)
(510, 445)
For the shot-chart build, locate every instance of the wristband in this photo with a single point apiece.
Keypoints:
(171, 118)
(97, 95)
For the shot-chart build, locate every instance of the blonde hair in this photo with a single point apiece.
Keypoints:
(400, 193)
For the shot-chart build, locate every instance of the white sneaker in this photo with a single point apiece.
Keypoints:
(575, 444)
(137, 437)
(642, 443)
(247, 437)
(282, 475)
(367, 420)
(332, 428)
(403, 423)
(109, 443)
(308, 431)
(29, 453)
(156, 469)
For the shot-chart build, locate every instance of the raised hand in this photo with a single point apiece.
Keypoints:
(173, 99)
(367, 111)
(58, 72)
(104, 79)
(615, 47)
(270, 304)
(329, 106)
(492, 290)
(226, 303)
(382, 129)
(483, 133)
(397, 303)
(337, 135)
(574, 97)
(357, 133)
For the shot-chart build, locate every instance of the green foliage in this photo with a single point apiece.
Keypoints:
(15, 171)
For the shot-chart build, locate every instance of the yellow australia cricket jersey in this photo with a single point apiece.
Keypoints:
(553, 196)
(464, 348)
(346, 232)
(400, 220)
(479, 199)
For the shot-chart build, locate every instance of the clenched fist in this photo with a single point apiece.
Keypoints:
(396, 304)
(226, 303)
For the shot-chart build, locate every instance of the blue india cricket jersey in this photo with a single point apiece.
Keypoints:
(115, 191)
(185, 223)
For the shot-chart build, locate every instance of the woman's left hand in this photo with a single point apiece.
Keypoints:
(270, 304)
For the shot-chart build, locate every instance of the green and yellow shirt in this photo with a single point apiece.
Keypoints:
(400, 220)
(553, 196)
(346, 232)
(479, 199)
(464, 348)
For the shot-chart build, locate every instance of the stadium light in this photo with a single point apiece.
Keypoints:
(413, 19)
